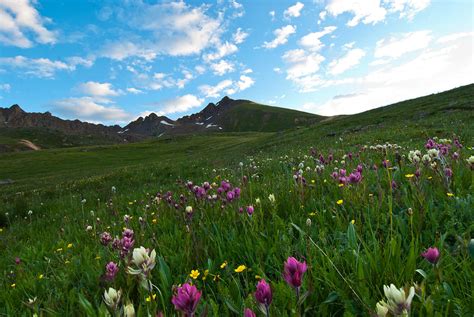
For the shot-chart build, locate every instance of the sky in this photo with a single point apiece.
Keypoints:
(112, 61)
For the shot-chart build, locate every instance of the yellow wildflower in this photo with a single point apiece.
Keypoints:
(240, 268)
(339, 202)
(1, 229)
(97, 257)
(59, 249)
(223, 265)
(313, 181)
(13, 285)
(217, 278)
(341, 185)
(258, 277)
(149, 298)
(206, 273)
(409, 175)
(194, 274)
(69, 245)
(353, 221)
(154, 221)
(40, 277)
(450, 194)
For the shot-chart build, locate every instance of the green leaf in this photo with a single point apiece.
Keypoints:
(332, 297)
(422, 273)
(86, 306)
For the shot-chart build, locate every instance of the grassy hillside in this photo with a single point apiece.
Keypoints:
(44, 138)
(355, 236)
(252, 116)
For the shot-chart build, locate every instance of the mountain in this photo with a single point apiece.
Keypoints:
(228, 115)
(19, 128)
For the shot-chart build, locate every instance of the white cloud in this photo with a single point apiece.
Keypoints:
(239, 36)
(18, 19)
(161, 80)
(95, 89)
(365, 11)
(180, 104)
(173, 28)
(5, 87)
(125, 49)
(312, 41)
(77, 60)
(39, 67)
(87, 108)
(230, 87)
(281, 36)
(247, 71)
(272, 14)
(348, 61)
(222, 67)
(222, 50)
(134, 91)
(301, 63)
(294, 11)
(408, 8)
(440, 67)
(244, 82)
(395, 47)
(214, 91)
(374, 11)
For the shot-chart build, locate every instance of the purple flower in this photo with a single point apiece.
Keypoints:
(127, 233)
(186, 299)
(394, 185)
(17, 261)
(355, 177)
(230, 196)
(249, 313)
(105, 238)
(225, 186)
(455, 155)
(448, 172)
(263, 294)
(431, 255)
(111, 270)
(430, 144)
(360, 168)
(294, 271)
(250, 210)
(237, 192)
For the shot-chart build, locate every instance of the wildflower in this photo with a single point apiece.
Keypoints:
(150, 298)
(294, 271)
(224, 264)
(257, 201)
(189, 209)
(105, 238)
(186, 299)
(13, 285)
(250, 210)
(271, 198)
(40, 277)
(112, 298)
(381, 310)
(397, 302)
(308, 222)
(145, 262)
(409, 175)
(448, 172)
(339, 202)
(129, 310)
(114, 190)
(89, 228)
(111, 270)
(450, 194)
(69, 245)
(431, 255)
(249, 313)
(30, 212)
(240, 268)
(206, 273)
(353, 221)
(17, 261)
(258, 277)
(263, 294)
(194, 274)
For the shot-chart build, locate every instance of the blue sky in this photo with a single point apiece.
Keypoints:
(111, 61)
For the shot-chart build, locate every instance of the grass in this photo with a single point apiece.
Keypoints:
(358, 238)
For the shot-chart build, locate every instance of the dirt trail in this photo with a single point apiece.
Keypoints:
(29, 145)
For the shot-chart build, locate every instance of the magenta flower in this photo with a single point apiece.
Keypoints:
(17, 261)
(294, 271)
(111, 270)
(263, 294)
(448, 172)
(431, 255)
(186, 299)
(250, 210)
(105, 238)
(249, 313)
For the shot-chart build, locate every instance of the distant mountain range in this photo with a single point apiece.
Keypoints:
(227, 115)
